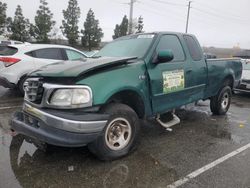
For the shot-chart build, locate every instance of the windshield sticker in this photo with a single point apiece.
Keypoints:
(173, 81)
(145, 36)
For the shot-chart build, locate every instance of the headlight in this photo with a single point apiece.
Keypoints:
(74, 97)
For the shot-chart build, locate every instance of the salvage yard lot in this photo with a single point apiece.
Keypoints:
(161, 157)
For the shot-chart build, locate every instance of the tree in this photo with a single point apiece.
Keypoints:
(92, 33)
(124, 26)
(122, 29)
(70, 23)
(116, 31)
(43, 23)
(3, 17)
(8, 23)
(140, 25)
(19, 27)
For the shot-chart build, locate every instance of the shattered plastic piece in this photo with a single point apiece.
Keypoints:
(70, 168)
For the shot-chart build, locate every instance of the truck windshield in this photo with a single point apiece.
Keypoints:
(130, 46)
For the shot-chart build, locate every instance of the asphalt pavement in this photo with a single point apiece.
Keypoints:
(161, 159)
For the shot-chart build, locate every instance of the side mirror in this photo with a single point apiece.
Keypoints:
(165, 56)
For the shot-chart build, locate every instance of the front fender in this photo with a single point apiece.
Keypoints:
(106, 84)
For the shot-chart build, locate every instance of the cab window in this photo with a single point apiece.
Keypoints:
(171, 42)
(193, 48)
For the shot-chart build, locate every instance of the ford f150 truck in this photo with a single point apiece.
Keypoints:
(98, 102)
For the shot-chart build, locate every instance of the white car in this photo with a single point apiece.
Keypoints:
(16, 61)
(245, 79)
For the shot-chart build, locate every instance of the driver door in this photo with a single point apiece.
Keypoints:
(167, 79)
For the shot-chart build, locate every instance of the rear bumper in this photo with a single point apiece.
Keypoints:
(5, 83)
(243, 87)
(58, 131)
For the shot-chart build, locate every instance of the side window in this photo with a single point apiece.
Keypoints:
(31, 54)
(193, 48)
(49, 53)
(73, 55)
(8, 50)
(171, 42)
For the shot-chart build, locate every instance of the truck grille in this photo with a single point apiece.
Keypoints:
(33, 88)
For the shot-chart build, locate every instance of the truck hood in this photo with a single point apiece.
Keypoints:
(79, 67)
(246, 74)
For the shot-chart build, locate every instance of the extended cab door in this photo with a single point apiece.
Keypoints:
(167, 79)
(196, 69)
(180, 81)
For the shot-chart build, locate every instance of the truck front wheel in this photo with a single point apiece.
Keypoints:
(120, 134)
(220, 103)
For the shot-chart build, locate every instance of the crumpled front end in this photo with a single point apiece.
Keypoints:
(58, 128)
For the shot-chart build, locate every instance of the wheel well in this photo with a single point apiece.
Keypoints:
(229, 80)
(130, 98)
(20, 79)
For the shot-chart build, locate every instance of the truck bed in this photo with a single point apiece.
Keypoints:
(217, 69)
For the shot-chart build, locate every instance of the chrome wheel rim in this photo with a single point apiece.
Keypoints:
(225, 100)
(118, 134)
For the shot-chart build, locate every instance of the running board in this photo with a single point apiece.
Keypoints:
(167, 125)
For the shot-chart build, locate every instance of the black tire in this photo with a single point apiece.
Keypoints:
(220, 103)
(122, 113)
(20, 84)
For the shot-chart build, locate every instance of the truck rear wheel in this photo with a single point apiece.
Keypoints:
(120, 134)
(220, 103)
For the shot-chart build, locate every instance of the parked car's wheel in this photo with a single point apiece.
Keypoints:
(119, 135)
(220, 103)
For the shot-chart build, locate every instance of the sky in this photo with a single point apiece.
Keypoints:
(217, 23)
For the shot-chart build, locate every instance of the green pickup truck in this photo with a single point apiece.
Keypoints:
(99, 101)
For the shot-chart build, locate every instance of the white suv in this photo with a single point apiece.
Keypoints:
(16, 61)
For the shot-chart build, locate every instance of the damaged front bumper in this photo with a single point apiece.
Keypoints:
(60, 128)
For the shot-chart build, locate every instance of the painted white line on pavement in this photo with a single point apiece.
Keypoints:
(10, 107)
(207, 167)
